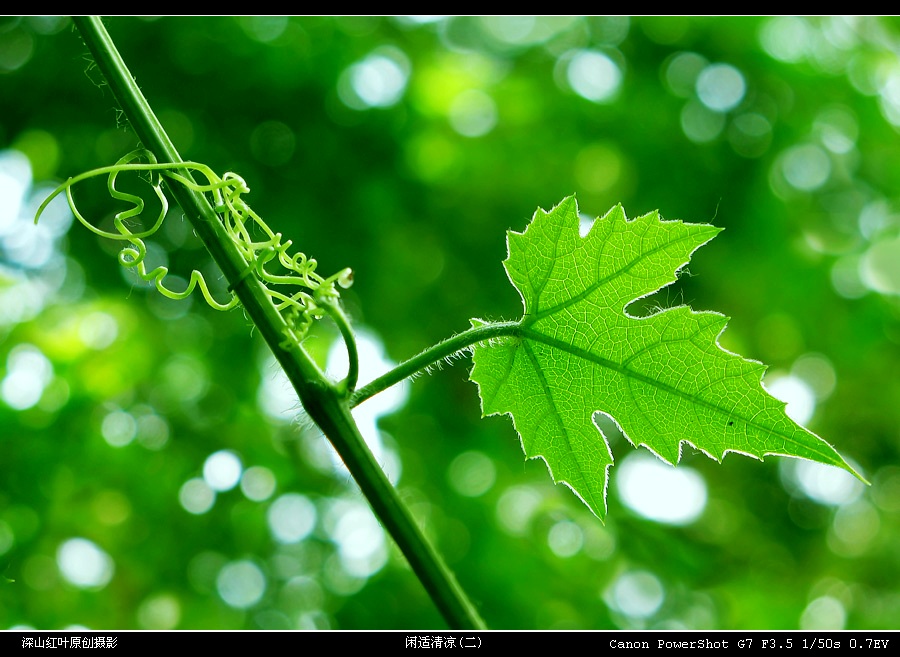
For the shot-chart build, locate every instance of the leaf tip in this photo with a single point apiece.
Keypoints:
(598, 511)
(849, 468)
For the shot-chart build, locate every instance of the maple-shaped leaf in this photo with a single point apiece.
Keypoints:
(663, 379)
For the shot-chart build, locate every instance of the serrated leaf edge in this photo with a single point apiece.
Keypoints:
(762, 368)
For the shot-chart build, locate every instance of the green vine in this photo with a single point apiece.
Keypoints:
(225, 224)
(316, 296)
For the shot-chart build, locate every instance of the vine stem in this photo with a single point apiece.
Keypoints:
(323, 401)
(434, 355)
(337, 315)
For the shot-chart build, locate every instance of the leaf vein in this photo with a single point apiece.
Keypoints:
(625, 371)
(600, 283)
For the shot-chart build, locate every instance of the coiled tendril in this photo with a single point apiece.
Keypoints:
(316, 295)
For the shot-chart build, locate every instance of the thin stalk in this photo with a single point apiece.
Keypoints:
(433, 355)
(337, 314)
(323, 402)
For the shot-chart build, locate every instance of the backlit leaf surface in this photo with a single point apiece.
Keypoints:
(663, 378)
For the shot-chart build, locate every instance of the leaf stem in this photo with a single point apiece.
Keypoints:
(337, 314)
(321, 399)
(435, 354)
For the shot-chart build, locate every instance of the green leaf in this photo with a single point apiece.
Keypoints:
(663, 379)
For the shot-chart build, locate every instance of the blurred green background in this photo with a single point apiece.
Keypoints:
(155, 472)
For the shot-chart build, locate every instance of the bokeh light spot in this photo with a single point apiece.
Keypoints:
(378, 80)
(837, 128)
(825, 613)
(854, 528)
(184, 378)
(846, 279)
(264, 29)
(785, 38)
(509, 29)
(98, 330)
(655, 490)
(565, 539)
(161, 611)
(797, 394)
(637, 594)
(275, 395)
(594, 76)
(83, 564)
(222, 470)
(516, 507)
(373, 362)
(750, 134)
(362, 548)
(472, 474)
(473, 113)
(241, 584)
(806, 167)
(880, 266)
(721, 87)
(291, 518)
(826, 484)
(15, 178)
(699, 123)
(682, 71)
(196, 496)
(152, 431)
(258, 483)
(886, 489)
(28, 372)
(818, 372)
(16, 48)
(118, 428)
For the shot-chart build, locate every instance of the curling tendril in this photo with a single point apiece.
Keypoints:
(312, 296)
